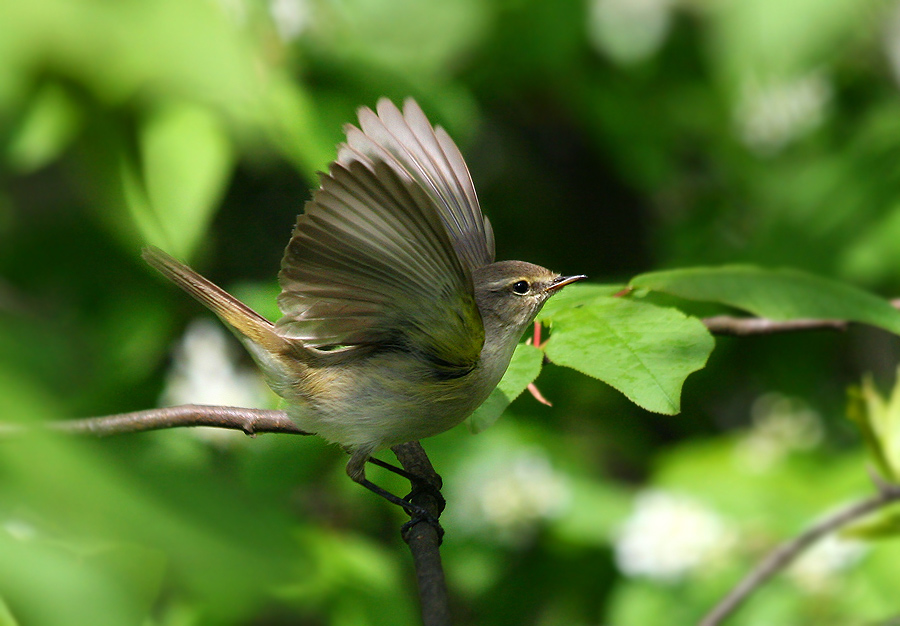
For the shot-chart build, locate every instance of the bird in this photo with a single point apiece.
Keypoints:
(397, 322)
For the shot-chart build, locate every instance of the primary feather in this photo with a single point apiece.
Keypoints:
(384, 252)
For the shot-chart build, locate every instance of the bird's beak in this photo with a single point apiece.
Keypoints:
(558, 283)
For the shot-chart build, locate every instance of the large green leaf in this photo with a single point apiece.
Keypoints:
(187, 159)
(576, 295)
(644, 351)
(523, 369)
(780, 294)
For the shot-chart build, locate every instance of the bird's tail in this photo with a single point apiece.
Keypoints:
(247, 322)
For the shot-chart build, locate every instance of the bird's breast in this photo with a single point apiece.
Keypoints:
(387, 398)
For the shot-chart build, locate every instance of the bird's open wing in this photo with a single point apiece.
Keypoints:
(371, 264)
(427, 156)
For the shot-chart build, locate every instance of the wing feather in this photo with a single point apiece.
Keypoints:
(371, 264)
(427, 156)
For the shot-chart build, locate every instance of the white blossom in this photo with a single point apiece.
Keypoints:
(205, 371)
(669, 536)
(291, 17)
(235, 10)
(629, 31)
(770, 115)
(819, 568)
(512, 494)
(780, 425)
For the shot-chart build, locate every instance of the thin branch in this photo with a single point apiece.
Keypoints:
(250, 421)
(742, 326)
(423, 537)
(784, 554)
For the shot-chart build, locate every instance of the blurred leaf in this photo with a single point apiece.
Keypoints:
(781, 294)
(288, 115)
(186, 160)
(879, 420)
(726, 473)
(642, 603)
(199, 519)
(765, 38)
(369, 32)
(128, 188)
(84, 591)
(6, 618)
(595, 513)
(884, 524)
(50, 124)
(349, 575)
(523, 369)
(644, 351)
(117, 50)
(874, 255)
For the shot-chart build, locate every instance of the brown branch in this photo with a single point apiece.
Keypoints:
(423, 537)
(741, 326)
(785, 554)
(250, 421)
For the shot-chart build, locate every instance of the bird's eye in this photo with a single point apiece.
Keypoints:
(521, 287)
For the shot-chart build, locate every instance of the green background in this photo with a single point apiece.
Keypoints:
(605, 137)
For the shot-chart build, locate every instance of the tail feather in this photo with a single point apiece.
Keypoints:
(230, 310)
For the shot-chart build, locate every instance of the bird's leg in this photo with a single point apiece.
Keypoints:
(419, 484)
(356, 471)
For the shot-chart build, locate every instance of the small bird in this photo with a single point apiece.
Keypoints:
(397, 323)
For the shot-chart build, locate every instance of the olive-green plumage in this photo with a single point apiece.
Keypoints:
(397, 323)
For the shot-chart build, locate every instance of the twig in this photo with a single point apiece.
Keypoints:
(250, 421)
(741, 326)
(423, 538)
(784, 554)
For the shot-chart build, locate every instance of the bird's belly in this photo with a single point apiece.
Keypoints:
(382, 402)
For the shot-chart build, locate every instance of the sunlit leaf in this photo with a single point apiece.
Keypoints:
(293, 126)
(644, 351)
(46, 130)
(767, 37)
(879, 420)
(186, 160)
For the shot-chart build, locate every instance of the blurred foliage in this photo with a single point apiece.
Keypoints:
(606, 137)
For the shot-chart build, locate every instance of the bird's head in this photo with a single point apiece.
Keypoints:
(510, 294)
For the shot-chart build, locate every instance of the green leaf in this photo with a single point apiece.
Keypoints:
(186, 158)
(884, 525)
(780, 294)
(6, 617)
(644, 351)
(523, 369)
(292, 124)
(46, 130)
(576, 295)
(879, 420)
